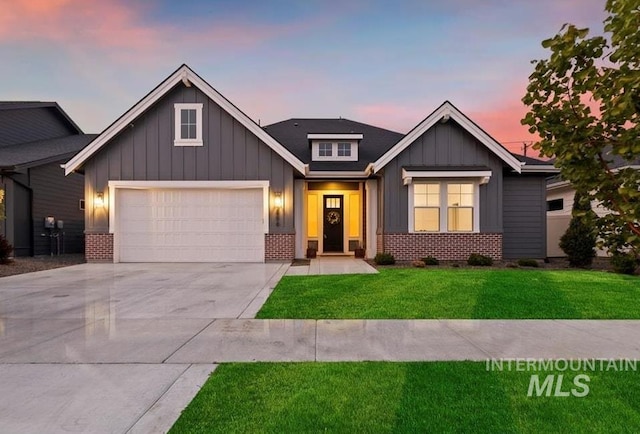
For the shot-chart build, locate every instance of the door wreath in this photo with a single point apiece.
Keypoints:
(333, 217)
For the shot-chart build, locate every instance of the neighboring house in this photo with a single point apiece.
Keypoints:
(35, 139)
(185, 176)
(560, 194)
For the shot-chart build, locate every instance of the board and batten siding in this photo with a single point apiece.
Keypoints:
(145, 151)
(443, 145)
(58, 196)
(525, 220)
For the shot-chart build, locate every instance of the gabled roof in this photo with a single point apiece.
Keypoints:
(445, 112)
(293, 134)
(24, 155)
(186, 75)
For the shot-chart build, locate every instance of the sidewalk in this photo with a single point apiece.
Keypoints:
(332, 265)
(409, 340)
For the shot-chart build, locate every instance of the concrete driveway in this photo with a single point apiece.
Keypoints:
(82, 348)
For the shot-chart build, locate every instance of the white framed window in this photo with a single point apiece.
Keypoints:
(188, 124)
(334, 151)
(444, 206)
(344, 149)
(325, 149)
(426, 210)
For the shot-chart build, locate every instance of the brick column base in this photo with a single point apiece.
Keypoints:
(98, 247)
(446, 247)
(279, 247)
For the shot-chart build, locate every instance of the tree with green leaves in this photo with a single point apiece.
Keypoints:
(579, 241)
(584, 104)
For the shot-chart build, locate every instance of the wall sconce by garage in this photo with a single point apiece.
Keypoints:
(277, 203)
(98, 201)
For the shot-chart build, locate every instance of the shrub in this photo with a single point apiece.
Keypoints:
(511, 265)
(478, 259)
(384, 259)
(5, 250)
(418, 263)
(455, 265)
(528, 263)
(579, 241)
(430, 260)
(624, 263)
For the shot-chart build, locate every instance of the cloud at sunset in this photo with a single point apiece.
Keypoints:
(375, 63)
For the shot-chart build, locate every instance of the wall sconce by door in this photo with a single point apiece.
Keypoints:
(277, 203)
(98, 201)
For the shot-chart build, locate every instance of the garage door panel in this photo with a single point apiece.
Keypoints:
(184, 225)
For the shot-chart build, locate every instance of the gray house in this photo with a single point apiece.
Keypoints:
(35, 139)
(184, 175)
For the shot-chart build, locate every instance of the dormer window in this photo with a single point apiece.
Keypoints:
(334, 147)
(325, 149)
(188, 125)
(344, 149)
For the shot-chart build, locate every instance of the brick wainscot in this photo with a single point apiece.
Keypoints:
(446, 247)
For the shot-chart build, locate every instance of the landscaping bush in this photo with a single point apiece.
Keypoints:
(384, 259)
(478, 259)
(5, 250)
(430, 260)
(528, 263)
(624, 263)
(418, 263)
(579, 241)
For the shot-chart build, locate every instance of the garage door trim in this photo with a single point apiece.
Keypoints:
(112, 198)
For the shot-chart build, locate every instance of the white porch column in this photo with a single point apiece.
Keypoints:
(371, 208)
(298, 217)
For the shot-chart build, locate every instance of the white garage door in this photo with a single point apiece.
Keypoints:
(190, 225)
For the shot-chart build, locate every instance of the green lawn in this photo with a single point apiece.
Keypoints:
(406, 293)
(403, 397)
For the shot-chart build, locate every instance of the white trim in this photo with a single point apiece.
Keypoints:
(177, 113)
(183, 72)
(315, 151)
(147, 185)
(448, 109)
(540, 168)
(336, 174)
(444, 206)
(333, 137)
(482, 175)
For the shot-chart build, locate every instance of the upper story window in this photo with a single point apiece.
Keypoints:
(188, 124)
(325, 149)
(555, 205)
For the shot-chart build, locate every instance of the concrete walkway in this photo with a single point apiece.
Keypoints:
(332, 265)
(409, 340)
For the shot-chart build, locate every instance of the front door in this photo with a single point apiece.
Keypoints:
(333, 224)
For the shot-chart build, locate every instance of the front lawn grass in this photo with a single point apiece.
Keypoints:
(457, 294)
(382, 397)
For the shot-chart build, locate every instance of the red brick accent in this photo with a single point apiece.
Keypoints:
(279, 247)
(447, 247)
(98, 247)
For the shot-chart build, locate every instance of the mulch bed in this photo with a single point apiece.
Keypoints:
(599, 263)
(39, 263)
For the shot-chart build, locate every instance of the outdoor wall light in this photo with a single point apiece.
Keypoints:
(98, 201)
(277, 203)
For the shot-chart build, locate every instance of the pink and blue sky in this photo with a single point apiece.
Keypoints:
(387, 63)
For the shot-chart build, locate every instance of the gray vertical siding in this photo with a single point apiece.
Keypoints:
(525, 222)
(58, 196)
(445, 144)
(145, 151)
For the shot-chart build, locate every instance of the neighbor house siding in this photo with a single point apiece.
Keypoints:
(525, 223)
(145, 151)
(443, 145)
(57, 196)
